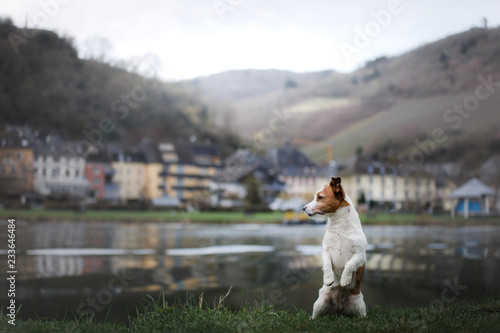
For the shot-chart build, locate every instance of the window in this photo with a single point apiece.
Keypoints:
(18, 156)
(44, 172)
(67, 173)
(23, 169)
(77, 173)
(95, 181)
(55, 172)
(358, 179)
(13, 169)
(3, 169)
(96, 171)
(56, 158)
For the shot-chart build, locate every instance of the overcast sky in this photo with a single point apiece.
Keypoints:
(200, 37)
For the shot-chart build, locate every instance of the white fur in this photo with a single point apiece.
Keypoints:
(343, 252)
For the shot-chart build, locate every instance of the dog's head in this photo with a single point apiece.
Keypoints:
(327, 200)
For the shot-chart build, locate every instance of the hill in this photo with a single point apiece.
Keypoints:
(239, 84)
(384, 106)
(47, 86)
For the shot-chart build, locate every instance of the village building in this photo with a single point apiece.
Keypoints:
(379, 184)
(59, 169)
(472, 198)
(245, 171)
(301, 176)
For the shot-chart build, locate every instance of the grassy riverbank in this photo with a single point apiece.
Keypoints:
(39, 214)
(141, 216)
(191, 317)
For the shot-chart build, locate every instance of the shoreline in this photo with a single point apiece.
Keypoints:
(211, 217)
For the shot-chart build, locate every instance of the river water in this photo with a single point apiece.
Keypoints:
(107, 268)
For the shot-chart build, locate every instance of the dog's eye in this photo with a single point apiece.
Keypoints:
(319, 198)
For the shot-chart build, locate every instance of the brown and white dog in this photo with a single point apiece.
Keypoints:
(343, 252)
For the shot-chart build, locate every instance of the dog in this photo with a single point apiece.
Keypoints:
(343, 252)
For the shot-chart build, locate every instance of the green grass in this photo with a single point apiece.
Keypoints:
(151, 215)
(218, 217)
(196, 316)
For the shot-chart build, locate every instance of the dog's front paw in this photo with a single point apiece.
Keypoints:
(345, 280)
(328, 280)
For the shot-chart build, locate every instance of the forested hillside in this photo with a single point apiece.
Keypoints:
(47, 86)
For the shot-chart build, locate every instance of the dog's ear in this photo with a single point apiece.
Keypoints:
(335, 184)
(337, 189)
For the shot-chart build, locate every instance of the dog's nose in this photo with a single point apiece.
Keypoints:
(304, 208)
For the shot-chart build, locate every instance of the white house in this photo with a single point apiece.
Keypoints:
(381, 184)
(59, 169)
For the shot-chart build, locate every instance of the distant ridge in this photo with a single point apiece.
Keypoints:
(409, 94)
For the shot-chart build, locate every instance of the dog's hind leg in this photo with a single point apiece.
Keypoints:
(323, 304)
(357, 305)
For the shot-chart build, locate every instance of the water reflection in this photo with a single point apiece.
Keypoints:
(61, 265)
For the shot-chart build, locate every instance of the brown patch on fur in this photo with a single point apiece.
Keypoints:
(331, 198)
(359, 275)
(327, 201)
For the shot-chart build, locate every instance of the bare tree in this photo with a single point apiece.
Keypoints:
(97, 48)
